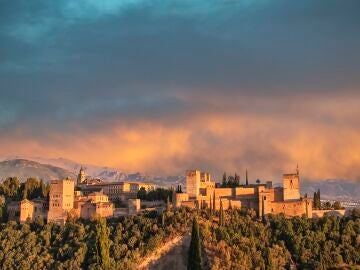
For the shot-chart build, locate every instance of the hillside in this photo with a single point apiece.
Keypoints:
(24, 169)
(333, 189)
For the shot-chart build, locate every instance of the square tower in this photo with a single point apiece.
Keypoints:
(61, 199)
(193, 183)
(291, 183)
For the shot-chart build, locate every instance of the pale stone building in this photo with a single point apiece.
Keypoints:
(122, 191)
(263, 198)
(27, 210)
(93, 205)
(61, 200)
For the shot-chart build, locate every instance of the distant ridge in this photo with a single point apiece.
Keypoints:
(334, 189)
(23, 169)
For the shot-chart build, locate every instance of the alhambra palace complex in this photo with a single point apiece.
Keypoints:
(93, 197)
(263, 198)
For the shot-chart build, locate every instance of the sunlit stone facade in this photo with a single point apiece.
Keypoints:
(263, 198)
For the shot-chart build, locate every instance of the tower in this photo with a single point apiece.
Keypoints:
(193, 183)
(81, 176)
(247, 180)
(291, 183)
(61, 199)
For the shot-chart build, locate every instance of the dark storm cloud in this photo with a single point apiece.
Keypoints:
(83, 67)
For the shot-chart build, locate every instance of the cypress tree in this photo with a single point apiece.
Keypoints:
(163, 220)
(43, 189)
(210, 206)
(167, 204)
(194, 255)
(315, 200)
(221, 216)
(247, 180)
(214, 201)
(102, 244)
(224, 179)
(318, 199)
(237, 180)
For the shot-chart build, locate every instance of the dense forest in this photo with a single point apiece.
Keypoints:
(95, 244)
(224, 239)
(236, 239)
(231, 239)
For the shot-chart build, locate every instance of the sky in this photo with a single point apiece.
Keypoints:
(163, 86)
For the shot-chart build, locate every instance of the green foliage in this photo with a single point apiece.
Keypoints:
(337, 205)
(10, 188)
(194, 255)
(247, 243)
(221, 215)
(32, 188)
(230, 181)
(102, 244)
(116, 244)
(159, 194)
(316, 200)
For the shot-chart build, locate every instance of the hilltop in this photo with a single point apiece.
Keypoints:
(24, 169)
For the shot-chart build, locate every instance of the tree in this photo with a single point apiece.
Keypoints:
(44, 192)
(194, 255)
(247, 179)
(142, 193)
(213, 201)
(231, 181)
(337, 205)
(237, 180)
(210, 206)
(224, 180)
(102, 244)
(10, 188)
(168, 206)
(221, 216)
(317, 202)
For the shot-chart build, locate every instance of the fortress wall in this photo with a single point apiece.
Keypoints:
(105, 209)
(244, 191)
(190, 204)
(289, 208)
(222, 192)
(178, 198)
(235, 204)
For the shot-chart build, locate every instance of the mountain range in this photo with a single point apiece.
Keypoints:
(58, 168)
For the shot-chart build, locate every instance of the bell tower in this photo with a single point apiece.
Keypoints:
(81, 176)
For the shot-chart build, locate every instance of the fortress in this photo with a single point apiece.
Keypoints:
(89, 198)
(93, 197)
(263, 198)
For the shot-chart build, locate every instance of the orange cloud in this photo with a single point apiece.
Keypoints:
(321, 135)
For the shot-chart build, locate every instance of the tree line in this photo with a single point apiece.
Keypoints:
(237, 239)
(118, 243)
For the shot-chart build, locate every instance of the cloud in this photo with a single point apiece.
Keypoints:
(268, 143)
(161, 86)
